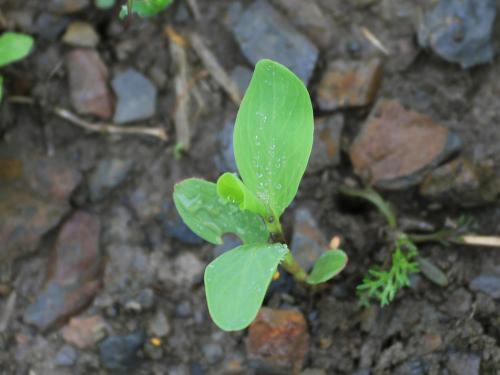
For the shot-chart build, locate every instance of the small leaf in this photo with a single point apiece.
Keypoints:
(230, 187)
(145, 8)
(211, 216)
(273, 135)
(236, 283)
(329, 264)
(14, 46)
(104, 4)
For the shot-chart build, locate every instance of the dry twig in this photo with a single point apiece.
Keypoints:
(374, 40)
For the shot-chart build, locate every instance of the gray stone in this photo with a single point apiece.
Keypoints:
(108, 174)
(242, 76)
(186, 269)
(262, 32)
(213, 353)
(136, 97)
(49, 26)
(119, 353)
(486, 283)
(463, 364)
(159, 325)
(327, 142)
(460, 31)
(66, 357)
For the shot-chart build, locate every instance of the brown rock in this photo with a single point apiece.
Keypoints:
(88, 76)
(327, 137)
(349, 84)
(84, 332)
(397, 147)
(73, 278)
(462, 183)
(81, 34)
(278, 341)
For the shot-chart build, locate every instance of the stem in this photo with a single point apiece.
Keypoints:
(440, 235)
(289, 263)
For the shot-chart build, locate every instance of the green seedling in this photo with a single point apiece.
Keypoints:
(272, 141)
(144, 8)
(13, 47)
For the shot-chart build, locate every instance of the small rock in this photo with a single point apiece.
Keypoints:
(136, 97)
(49, 26)
(313, 371)
(242, 76)
(119, 353)
(397, 147)
(349, 84)
(432, 272)
(213, 353)
(224, 160)
(308, 242)
(67, 6)
(458, 303)
(183, 310)
(84, 332)
(159, 325)
(81, 34)
(463, 364)
(186, 269)
(262, 32)
(73, 279)
(431, 342)
(486, 283)
(460, 182)
(278, 341)
(66, 357)
(108, 174)
(327, 137)
(146, 299)
(175, 227)
(460, 31)
(88, 78)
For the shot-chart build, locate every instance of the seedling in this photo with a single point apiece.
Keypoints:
(144, 8)
(13, 47)
(273, 137)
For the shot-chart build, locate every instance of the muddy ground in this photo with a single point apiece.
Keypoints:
(143, 273)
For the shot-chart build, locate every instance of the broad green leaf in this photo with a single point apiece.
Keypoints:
(14, 46)
(328, 265)
(273, 134)
(236, 283)
(230, 187)
(1, 88)
(211, 216)
(145, 8)
(104, 4)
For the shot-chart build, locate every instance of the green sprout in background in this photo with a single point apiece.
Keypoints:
(144, 8)
(273, 137)
(13, 47)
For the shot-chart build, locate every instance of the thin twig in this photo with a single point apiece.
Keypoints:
(94, 127)
(215, 69)
(374, 40)
(8, 310)
(193, 5)
(474, 240)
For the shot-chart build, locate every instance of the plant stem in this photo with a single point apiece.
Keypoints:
(289, 263)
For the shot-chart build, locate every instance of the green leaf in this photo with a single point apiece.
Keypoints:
(329, 264)
(230, 187)
(273, 135)
(145, 8)
(104, 4)
(1, 88)
(236, 283)
(211, 216)
(14, 46)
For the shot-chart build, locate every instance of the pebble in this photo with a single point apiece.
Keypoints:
(175, 227)
(458, 303)
(327, 143)
(241, 75)
(66, 356)
(186, 269)
(73, 279)
(183, 310)
(432, 272)
(346, 84)
(136, 97)
(459, 31)
(49, 26)
(278, 341)
(396, 147)
(461, 183)
(224, 159)
(88, 84)
(108, 174)
(159, 325)
(81, 34)
(313, 371)
(262, 32)
(308, 242)
(213, 353)
(463, 364)
(486, 283)
(84, 332)
(119, 353)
